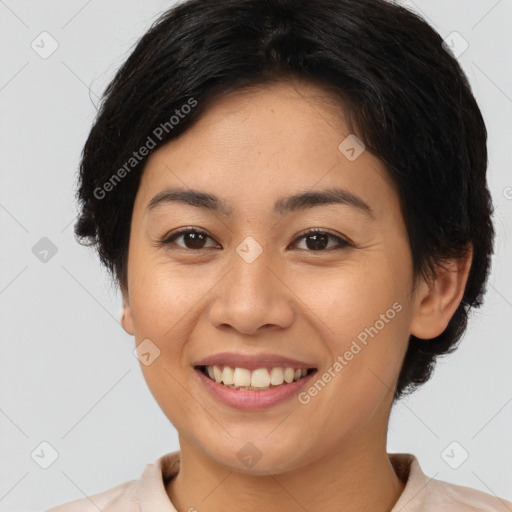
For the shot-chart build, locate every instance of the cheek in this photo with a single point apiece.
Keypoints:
(163, 310)
(164, 299)
(343, 302)
(361, 317)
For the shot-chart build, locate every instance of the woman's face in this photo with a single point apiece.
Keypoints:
(256, 284)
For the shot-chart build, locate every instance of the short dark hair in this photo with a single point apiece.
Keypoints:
(406, 96)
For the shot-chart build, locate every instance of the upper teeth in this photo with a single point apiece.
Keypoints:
(259, 378)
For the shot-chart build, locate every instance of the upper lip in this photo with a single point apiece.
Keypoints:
(251, 362)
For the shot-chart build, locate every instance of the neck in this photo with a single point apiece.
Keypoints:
(356, 478)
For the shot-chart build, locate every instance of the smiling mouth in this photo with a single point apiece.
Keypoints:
(260, 379)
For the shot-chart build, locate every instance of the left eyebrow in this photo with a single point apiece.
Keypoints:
(313, 198)
(282, 206)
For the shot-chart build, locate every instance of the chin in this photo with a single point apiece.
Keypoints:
(258, 458)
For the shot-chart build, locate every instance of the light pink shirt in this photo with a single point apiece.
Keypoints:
(421, 493)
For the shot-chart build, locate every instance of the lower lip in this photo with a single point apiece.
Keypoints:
(253, 400)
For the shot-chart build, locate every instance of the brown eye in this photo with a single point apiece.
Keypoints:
(193, 239)
(317, 240)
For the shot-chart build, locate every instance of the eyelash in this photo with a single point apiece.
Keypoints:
(343, 244)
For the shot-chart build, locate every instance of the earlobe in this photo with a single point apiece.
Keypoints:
(437, 300)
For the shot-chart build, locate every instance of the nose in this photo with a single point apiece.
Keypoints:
(254, 295)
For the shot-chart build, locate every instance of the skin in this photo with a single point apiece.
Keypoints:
(249, 149)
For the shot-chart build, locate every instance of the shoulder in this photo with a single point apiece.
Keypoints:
(148, 492)
(464, 499)
(120, 498)
(426, 494)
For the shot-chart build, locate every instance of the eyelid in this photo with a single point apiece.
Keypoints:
(344, 241)
(166, 240)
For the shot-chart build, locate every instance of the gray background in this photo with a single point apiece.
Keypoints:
(68, 375)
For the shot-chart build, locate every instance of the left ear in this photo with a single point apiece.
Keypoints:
(437, 300)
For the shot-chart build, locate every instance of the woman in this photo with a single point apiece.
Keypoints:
(292, 198)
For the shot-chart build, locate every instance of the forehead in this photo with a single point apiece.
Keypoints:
(265, 142)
